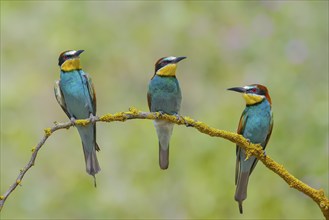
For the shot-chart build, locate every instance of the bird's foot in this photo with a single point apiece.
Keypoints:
(93, 118)
(161, 113)
(72, 121)
(264, 153)
(178, 117)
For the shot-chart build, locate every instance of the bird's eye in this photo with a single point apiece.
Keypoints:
(252, 90)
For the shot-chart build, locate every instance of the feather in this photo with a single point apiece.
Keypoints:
(60, 98)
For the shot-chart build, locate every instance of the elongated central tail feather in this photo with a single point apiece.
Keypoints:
(163, 157)
(241, 189)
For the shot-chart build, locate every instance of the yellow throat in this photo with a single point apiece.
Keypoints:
(71, 64)
(252, 99)
(168, 70)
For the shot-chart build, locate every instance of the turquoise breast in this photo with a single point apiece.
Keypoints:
(258, 122)
(76, 94)
(165, 94)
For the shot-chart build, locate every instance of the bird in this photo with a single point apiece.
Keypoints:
(256, 123)
(76, 95)
(164, 96)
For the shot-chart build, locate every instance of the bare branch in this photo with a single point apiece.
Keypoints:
(318, 196)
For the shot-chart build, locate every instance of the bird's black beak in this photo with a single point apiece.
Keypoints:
(179, 59)
(78, 52)
(238, 89)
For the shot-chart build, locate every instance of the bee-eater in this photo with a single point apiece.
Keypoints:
(164, 95)
(255, 125)
(76, 95)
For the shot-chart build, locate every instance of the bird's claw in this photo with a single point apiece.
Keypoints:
(264, 153)
(72, 121)
(93, 118)
(161, 113)
(178, 117)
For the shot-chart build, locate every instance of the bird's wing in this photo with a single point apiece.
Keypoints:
(269, 132)
(92, 92)
(242, 123)
(149, 100)
(60, 98)
(264, 144)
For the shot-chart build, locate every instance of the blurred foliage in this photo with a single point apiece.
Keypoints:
(281, 44)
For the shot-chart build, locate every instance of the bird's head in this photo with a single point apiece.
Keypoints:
(166, 66)
(253, 94)
(69, 60)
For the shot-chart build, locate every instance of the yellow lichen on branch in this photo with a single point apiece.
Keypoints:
(82, 122)
(47, 131)
(251, 149)
(318, 196)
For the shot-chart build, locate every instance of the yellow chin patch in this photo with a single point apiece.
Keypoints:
(252, 99)
(72, 64)
(168, 70)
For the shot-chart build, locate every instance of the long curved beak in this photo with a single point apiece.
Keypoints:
(179, 59)
(78, 52)
(238, 89)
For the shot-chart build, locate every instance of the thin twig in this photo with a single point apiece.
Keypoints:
(318, 196)
(35, 150)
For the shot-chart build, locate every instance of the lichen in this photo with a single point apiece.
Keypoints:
(251, 149)
(133, 110)
(105, 117)
(82, 122)
(47, 131)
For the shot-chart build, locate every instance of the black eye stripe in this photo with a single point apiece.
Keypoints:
(256, 91)
(64, 57)
(161, 64)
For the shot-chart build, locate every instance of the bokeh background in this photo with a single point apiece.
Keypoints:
(281, 44)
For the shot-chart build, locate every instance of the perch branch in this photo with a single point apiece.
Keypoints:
(318, 196)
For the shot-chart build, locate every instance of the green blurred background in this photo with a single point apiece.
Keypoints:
(283, 45)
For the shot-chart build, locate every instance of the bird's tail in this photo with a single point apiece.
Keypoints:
(241, 189)
(88, 138)
(164, 130)
(163, 157)
(92, 165)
